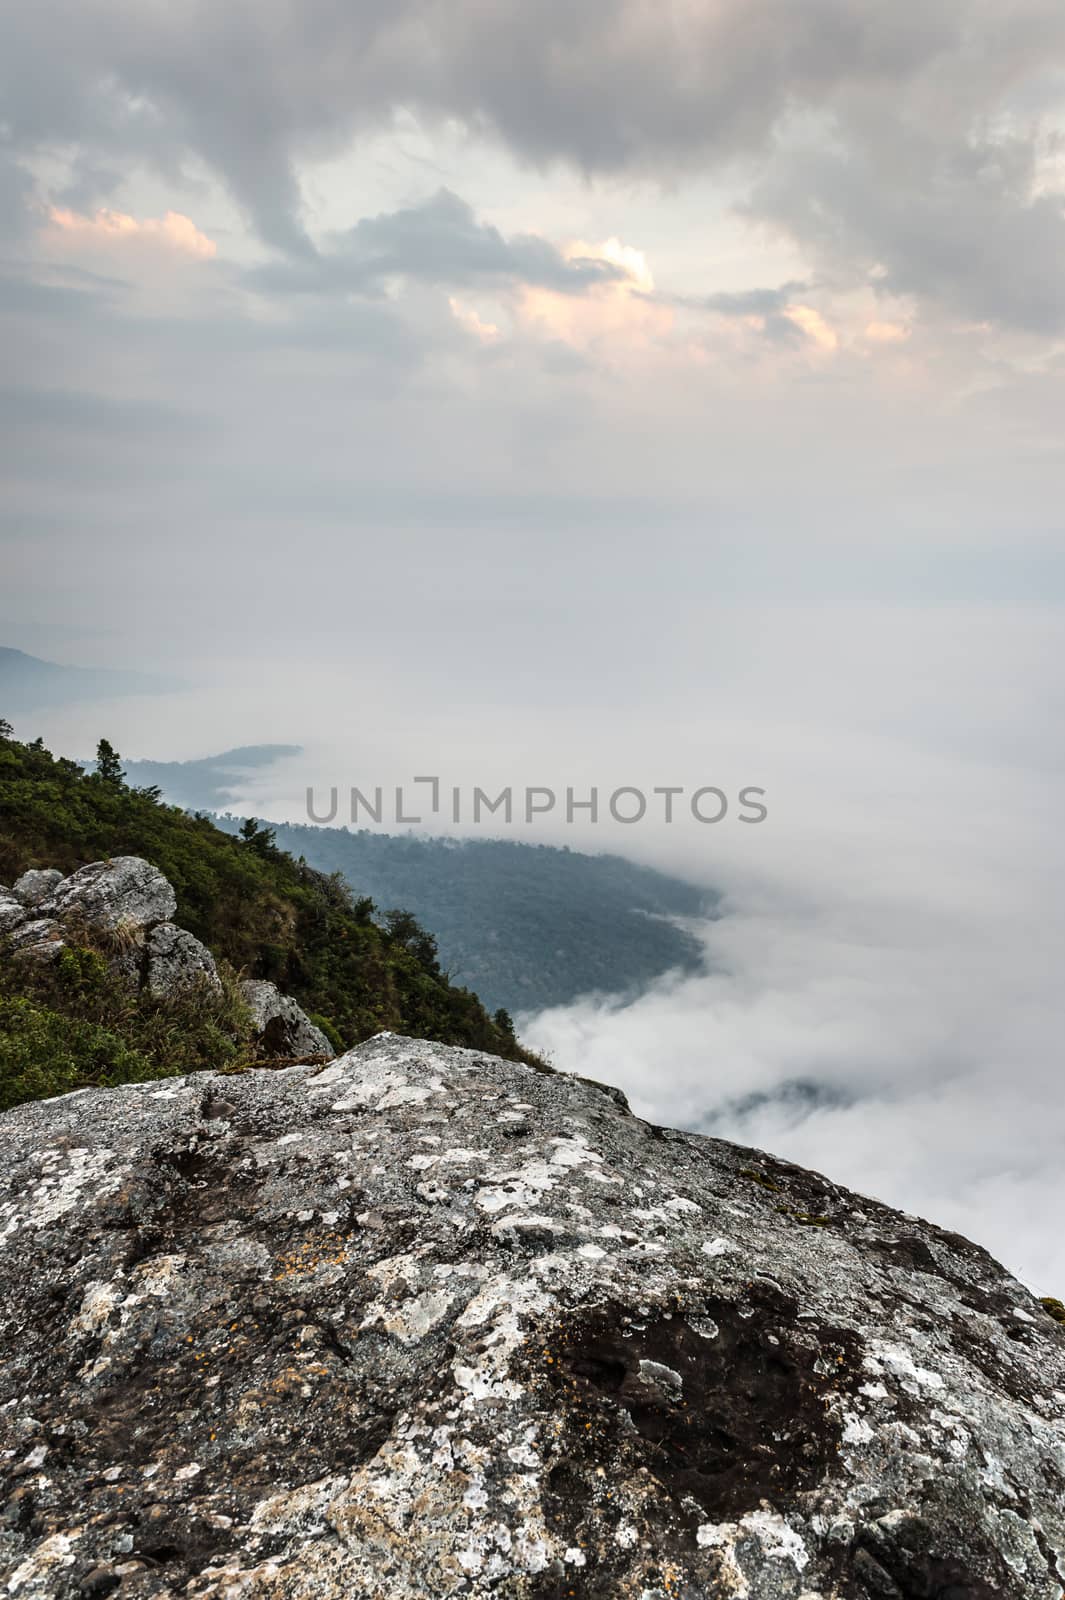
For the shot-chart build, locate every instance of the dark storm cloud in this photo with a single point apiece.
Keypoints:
(884, 108)
(438, 241)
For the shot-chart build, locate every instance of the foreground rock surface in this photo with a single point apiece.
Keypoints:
(424, 1323)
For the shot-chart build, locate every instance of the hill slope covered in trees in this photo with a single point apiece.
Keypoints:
(527, 926)
(262, 912)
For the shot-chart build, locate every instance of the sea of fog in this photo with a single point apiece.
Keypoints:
(881, 1000)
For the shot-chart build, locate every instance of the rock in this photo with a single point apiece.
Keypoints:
(125, 892)
(39, 936)
(36, 885)
(177, 961)
(310, 1334)
(284, 1029)
(12, 912)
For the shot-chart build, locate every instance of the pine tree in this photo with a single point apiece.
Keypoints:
(109, 764)
(261, 840)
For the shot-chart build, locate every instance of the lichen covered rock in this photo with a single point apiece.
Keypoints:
(35, 935)
(283, 1027)
(424, 1323)
(12, 911)
(36, 885)
(177, 961)
(123, 893)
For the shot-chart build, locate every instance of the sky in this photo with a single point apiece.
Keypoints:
(604, 394)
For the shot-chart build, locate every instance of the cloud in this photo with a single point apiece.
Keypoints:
(876, 999)
(618, 312)
(881, 332)
(949, 215)
(812, 324)
(777, 314)
(438, 241)
(174, 231)
(468, 318)
(750, 302)
(914, 137)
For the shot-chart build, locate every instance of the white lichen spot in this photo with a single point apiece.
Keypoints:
(662, 1378)
(411, 1321)
(857, 1430)
(97, 1304)
(51, 1555)
(573, 1152)
(779, 1540)
(897, 1360)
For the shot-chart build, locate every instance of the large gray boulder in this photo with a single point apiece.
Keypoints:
(284, 1028)
(177, 961)
(425, 1323)
(36, 885)
(125, 893)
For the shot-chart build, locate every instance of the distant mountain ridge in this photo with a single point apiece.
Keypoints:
(29, 684)
(207, 782)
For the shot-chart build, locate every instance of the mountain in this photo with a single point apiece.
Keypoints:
(208, 782)
(425, 1323)
(527, 926)
(29, 684)
(264, 914)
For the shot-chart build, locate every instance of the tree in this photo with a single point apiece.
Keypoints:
(109, 764)
(405, 929)
(261, 840)
(6, 730)
(504, 1022)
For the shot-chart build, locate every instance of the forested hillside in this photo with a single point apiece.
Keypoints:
(259, 910)
(526, 926)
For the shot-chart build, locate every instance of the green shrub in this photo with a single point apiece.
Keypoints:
(86, 991)
(43, 1054)
(329, 1030)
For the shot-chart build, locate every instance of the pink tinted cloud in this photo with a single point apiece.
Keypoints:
(175, 231)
